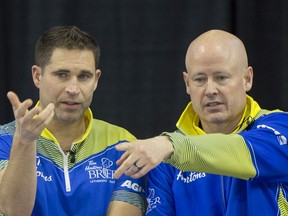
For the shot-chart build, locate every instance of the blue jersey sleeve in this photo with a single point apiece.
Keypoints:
(267, 142)
(5, 146)
(130, 190)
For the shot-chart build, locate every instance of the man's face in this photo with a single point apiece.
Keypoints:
(217, 86)
(68, 82)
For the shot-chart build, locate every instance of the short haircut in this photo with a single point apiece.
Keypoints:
(67, 37)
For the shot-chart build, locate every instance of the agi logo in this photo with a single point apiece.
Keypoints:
(134, 186)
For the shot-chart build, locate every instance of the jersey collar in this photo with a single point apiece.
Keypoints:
(88, 116)
(189, 120)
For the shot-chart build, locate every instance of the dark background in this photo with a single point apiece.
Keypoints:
(143, 45)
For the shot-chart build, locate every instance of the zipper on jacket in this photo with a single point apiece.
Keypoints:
(66, 170)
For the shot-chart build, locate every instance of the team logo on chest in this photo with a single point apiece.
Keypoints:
(100, 172)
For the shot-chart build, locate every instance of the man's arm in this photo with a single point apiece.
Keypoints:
(119, 208)
(208, 153)
(212, 153)
(18, 179)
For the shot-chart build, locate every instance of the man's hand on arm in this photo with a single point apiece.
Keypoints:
(141, 156)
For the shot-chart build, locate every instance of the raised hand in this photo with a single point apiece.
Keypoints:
(29, 123)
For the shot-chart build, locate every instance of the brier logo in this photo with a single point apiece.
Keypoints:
(100, 173)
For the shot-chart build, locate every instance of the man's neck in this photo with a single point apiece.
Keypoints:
(225, 127)
(67, 134)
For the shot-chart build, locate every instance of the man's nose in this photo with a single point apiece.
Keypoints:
(72, 86)
(211, 88)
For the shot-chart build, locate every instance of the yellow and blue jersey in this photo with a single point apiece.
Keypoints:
(80, 182)
(243, 173)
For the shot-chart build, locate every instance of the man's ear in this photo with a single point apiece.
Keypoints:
(248, 78)
(97, 74)
(36, 75)
(186, 81)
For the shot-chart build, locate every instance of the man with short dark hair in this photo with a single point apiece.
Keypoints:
(55, 159)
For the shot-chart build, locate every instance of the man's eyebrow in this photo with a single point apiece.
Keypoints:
(198, 74)
(61, 70)
(86, 71)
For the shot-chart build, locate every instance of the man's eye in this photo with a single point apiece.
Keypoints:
(84, 76)
(62, 75)
(199, 79)
(221, 78)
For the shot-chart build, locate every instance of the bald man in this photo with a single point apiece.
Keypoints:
(228, 156)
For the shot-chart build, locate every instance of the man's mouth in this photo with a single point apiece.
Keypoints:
(211, 104)
(70, 105)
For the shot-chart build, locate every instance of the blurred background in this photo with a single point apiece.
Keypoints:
(143, 45)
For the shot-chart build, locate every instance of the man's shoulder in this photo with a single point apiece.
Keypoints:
(104, 124)
(275, 114)
(8, 128)
(104, 127)
(274, 118)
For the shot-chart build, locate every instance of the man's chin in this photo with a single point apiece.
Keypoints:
(69, 118)
(216, 118)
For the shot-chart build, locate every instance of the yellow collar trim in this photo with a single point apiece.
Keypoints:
(87, 116)
(189, 120)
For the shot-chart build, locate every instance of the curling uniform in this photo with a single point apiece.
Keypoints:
(256, 155)
(80, 182)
